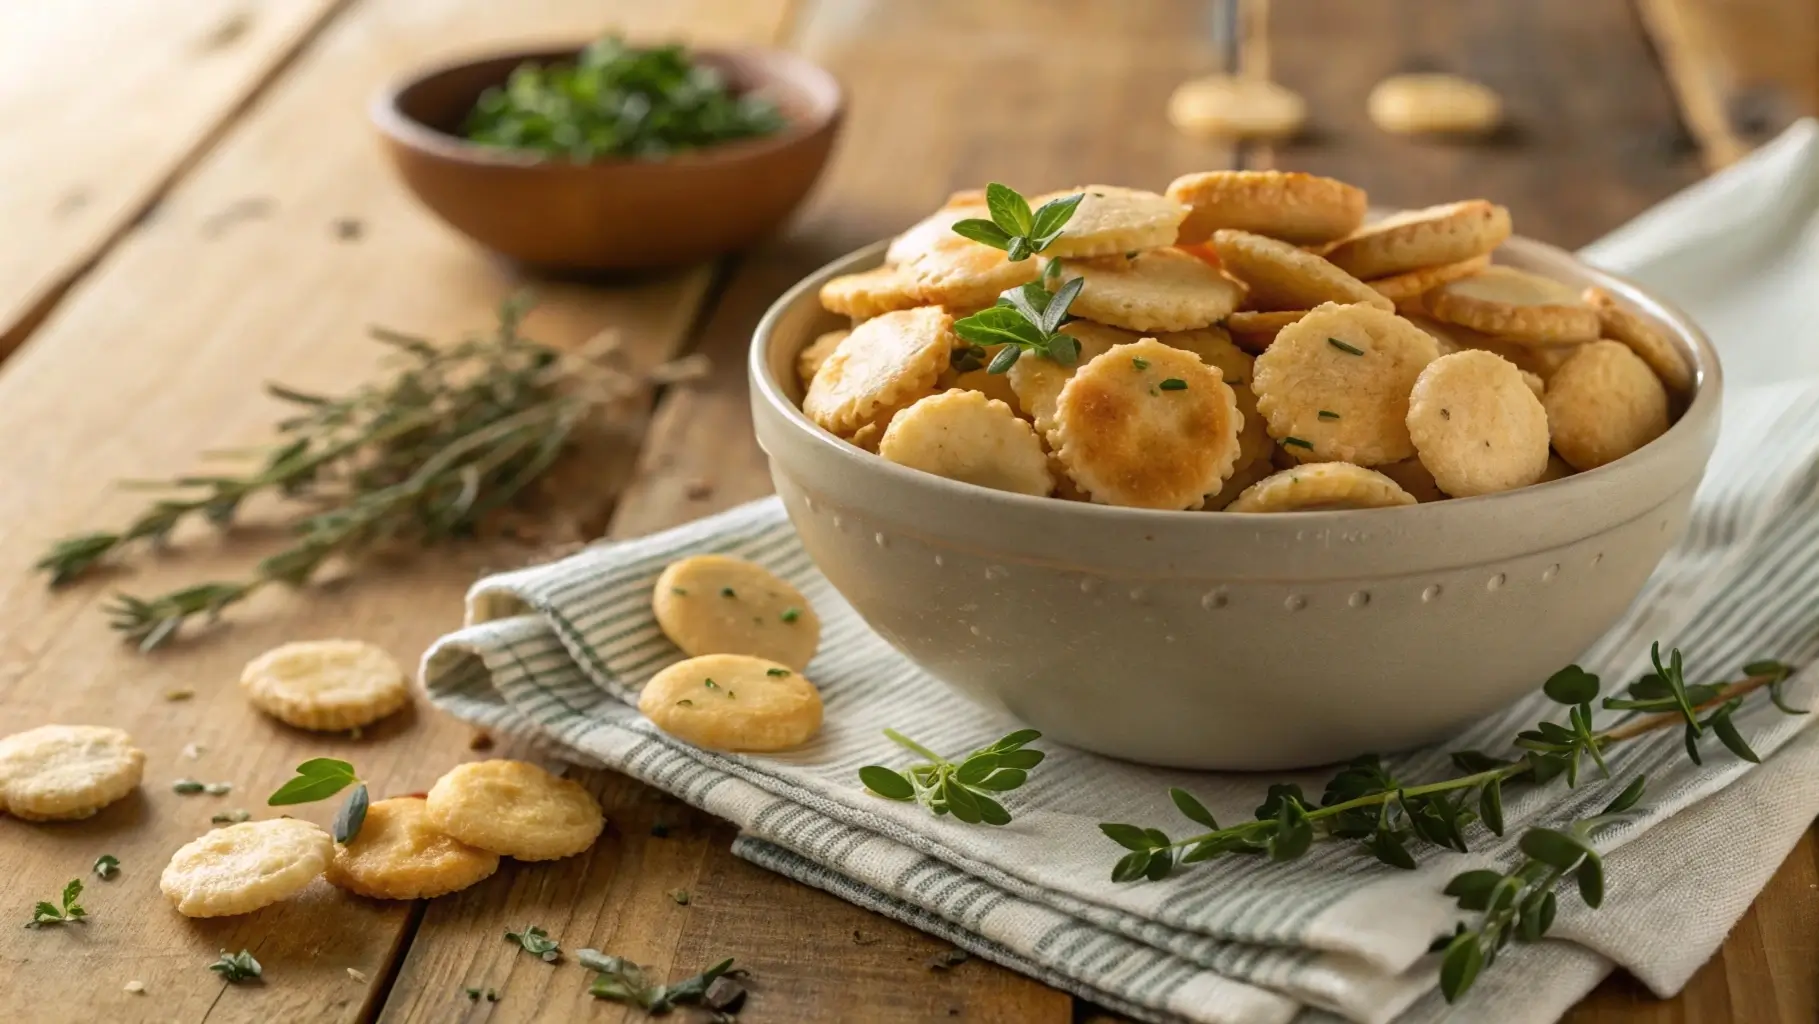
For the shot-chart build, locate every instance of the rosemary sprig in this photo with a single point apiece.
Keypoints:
(963, 789)
(1366, 803)
(423, 457)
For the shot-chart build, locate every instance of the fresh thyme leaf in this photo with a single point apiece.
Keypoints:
(536, 941)
(618, 100)
(235, 968)
(680, 896)
(1571, 685)
(67, 912)
(790, 614)
(317, 779)
(232, 817)
(425, 456)
(1005, 359)
(1343, 347)
(1328, 415)
(106, 866)
(351, 816)
(218, 788)
(187, 787)
(776, 672)
(1173, 384)
(727, 592)
(1140, 363)
(984, 232)
(1297, 443)
(961, 789)
(1009, 209)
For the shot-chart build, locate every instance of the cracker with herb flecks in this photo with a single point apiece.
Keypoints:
(717, 604)
(733, 702)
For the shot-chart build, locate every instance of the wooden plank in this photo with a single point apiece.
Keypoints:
(950, 82)
(158, 355)
(1591, 119)
(105, 102)
(1742, 69)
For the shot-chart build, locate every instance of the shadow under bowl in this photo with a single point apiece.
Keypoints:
(554, 213)
(1230, 641)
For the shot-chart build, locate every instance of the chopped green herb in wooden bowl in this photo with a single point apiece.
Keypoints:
(617, 100)
(610, 156)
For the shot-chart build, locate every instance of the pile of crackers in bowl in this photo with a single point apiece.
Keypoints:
(1243, 342)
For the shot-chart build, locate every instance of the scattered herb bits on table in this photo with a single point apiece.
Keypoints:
(1243, 342)
(615, 100)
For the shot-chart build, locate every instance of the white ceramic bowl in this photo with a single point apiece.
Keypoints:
(1207, 640)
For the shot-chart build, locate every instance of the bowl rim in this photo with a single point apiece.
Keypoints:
(391, 120)
(1706, 399)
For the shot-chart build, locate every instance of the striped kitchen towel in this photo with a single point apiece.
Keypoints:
(559, 652)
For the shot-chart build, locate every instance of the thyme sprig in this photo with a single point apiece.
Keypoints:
(963, 789)
(69, 912)
(1366, 803)
(1027, 318)
(1013, 227)
(424, 457)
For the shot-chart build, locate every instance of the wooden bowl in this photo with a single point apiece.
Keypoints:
(552, 212)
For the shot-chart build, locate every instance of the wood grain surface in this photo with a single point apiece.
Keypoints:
(104, 103)
(255, 150)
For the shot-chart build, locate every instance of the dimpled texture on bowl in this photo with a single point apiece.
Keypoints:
(1214, 641)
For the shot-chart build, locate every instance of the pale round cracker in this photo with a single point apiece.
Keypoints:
(1280, 276)
(1330, 404)
(1128, 440)
(1514, 306)
(1603, 404)
(1421, 238)
(963, 435)
(1410, 285)
(1644, 339)
(1111, 220)
(959, 273)
(1413, 477)
(400, 855)
(937, 227)
(1477, 426)
(1253, 330)
(884, 363)
(515, 809)
(242, 868)
(728, 702)
(1434, 103)
(1161, 290)
(1321, 487)
(1038, 380)
(66, 772)
(1236, 107)
(1214, 346)
(809, 360)
(1304, 209)
(718, 604)
(1241, 479)
(982, 380)
(325, 685)
(870, 293)
(868, 436)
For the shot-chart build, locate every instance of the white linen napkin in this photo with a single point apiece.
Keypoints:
(558, 653)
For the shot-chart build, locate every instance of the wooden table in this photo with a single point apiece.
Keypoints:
(175, 181)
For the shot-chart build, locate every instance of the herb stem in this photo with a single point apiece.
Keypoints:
(904, 741)
(1650, 723)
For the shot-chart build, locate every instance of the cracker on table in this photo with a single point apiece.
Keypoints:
(1432, 103)
(1236, 107)
(325, 685)
(66, 772)
(400, 855)
(245, 867)
(514, 809)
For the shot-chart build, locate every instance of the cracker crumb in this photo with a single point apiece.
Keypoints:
(136, 987)
(356, 974)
